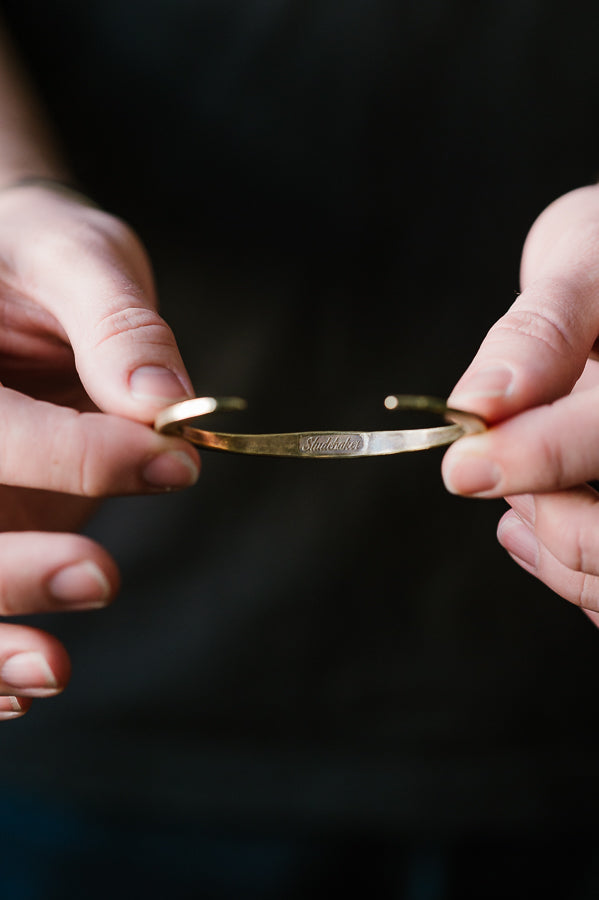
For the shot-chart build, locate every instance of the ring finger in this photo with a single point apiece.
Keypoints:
(556, 538)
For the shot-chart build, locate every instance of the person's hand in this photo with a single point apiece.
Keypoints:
(85, 364)
(535, 380)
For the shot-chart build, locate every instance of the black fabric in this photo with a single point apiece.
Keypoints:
(334, 195)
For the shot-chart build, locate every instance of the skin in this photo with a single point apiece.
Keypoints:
(535, 379)
(86, 362)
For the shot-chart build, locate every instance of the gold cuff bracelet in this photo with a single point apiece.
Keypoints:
(179, 419)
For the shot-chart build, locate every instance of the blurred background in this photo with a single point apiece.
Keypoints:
(320, 675)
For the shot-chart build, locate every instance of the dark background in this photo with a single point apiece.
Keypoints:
(335, 196)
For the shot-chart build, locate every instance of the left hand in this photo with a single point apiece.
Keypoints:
(536, 382)
(86, 362)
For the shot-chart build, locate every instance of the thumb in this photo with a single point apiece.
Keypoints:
(125, 353)
(537, 351)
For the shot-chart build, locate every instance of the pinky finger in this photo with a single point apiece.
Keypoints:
(529, 553)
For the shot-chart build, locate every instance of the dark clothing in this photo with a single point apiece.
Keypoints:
(334, 196)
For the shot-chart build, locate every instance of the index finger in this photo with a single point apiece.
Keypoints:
(90, 454)
(548, 448)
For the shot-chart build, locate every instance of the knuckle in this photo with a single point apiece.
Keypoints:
(550, 460)
(66, 434)
(133, 321)
(576, 550)
(86, 467)
(8, 603)
(55, 247)
(101, 245)
(90, 229)
(542, 327)
(587, 595)
(111, 238)
(91, 476)
(579, 548)
(85, 471)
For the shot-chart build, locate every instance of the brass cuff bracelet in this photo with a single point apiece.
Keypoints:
(179, 420)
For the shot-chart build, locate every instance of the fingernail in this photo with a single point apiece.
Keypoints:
(157, 384)
(10, 704)
(519, 541)
(494, 381)
(470, 474)
(10, 708)
(28, 671)
(173, 469)
(83, 585)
